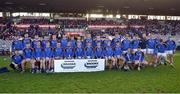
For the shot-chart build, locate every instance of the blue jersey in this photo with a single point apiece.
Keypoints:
(53, 43)
(99, 52)
(69, 52)
(117, 51)
(125, 44)
(142, 43)
(88, 52)
(48, 52)
(34, 43)
(113, 43)
(157, 41)
(88, 41)
(64, 43)
(17, 44)
(26, 41)
(81, 43)
(128, 57)
(43, 43)
(108, 51)
(28, 53)
(79, 52)
(17, 59)
(151, 43)
(38, 53)
(95, 42)
(135, 44)
(171, 45)
(105, 42)
(161, 48)
(73, 43)
(139, 55)
(58, 52)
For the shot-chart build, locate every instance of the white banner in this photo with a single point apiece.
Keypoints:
(79, 65)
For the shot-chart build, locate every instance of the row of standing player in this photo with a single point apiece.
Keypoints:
(114, 50)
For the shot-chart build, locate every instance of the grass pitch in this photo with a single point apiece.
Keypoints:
(162, 79)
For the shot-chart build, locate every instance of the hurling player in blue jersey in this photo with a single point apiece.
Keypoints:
(17, 44)
(161, 52)
(88, 39)
(97, 40)
(129, 59)
(28, 57)
(106, 40)
(35, 41)
(170, 49)
(69, 51)
(125, 45)
(26, 40)
(135, 43)
(53, 42)
(44, 41)
(72, 41)
(79, 51)
(142, 43)
(88, 51)
(119, 59)
(16, 61)
(48, 55)
(38, 58)
(58, 52)
(116, 39)
(108, 53)
(98, 51)
(139, 57)
(64, 41)
(150, 45)
(79, 41)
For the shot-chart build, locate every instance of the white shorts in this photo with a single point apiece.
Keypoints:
(143, 50)
(79, 57)
(108, 57)
(58, 57)
(88, 57)
(38, 58)
(161, 54)
(69, 58)
(129, 62)
(169, 52)
(47, 58)
(150, 51)
(117, 56)
(137, 62)
(20, 52)
(28, 59)
(125, 52)
(134, 50)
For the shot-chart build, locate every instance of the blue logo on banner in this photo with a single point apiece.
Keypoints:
(68, 65)
(91, 64)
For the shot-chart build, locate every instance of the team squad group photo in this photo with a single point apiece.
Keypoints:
(123, 52)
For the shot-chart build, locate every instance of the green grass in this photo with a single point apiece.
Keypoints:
(160, 79)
